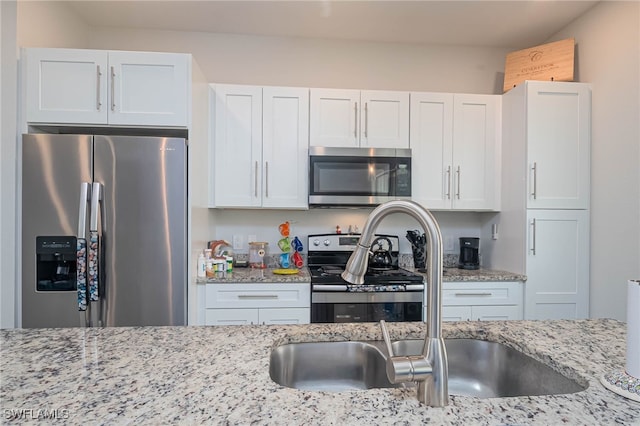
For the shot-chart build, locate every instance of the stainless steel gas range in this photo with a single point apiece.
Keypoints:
(389, 293)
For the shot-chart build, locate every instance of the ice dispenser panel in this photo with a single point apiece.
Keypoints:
(56, 263)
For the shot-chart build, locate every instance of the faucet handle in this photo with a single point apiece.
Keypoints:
(387, 339)
(402, 369)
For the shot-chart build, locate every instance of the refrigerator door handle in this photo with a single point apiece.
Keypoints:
(81, 250)
(96, 196)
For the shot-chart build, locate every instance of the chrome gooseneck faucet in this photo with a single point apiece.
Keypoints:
(429, 370)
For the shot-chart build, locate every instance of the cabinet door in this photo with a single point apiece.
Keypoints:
(285, 316)
(231, 316)
(66, 86)
(237, 146)
(149, 88)
(476, 170)
(431, 149)
(496, 313)
(334, 118)
(558, 145)
(285, 147)
(257, 295)
(384, 119)
(455, 313)
(557, 268)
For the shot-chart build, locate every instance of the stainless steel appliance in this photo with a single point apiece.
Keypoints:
(389, 293)
(358, 176)
(104, 230)
(469, 253)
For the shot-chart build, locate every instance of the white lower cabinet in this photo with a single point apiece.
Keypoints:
(557, 264)
(270, 303)
(482, 301)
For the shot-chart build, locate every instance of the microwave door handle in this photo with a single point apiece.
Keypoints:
(81, 254)
(94, 246)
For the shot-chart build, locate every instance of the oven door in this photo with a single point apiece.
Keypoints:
(332, 307)
(358, 176)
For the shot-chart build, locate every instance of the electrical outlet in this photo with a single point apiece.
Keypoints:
(238, 242)
(251, 238)
(448, 243)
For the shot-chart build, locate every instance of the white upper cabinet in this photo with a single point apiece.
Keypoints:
(76, 86)
(455, 146)
(237, 146)
(431, 149)
(558, 132)
(353, 118)
(66, 85)
(285, 147)
(476, 149)
(260, 147)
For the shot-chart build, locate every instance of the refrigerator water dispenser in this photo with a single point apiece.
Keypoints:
(55, 263)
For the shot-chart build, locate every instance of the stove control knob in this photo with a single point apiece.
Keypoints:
(327, 243)
(316, 242)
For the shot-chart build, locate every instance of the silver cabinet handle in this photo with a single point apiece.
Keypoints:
(113, 89)
(533, 237)
(98, 78)
(458, 182)
(266, 180)
(448, 183)
(258, 296)
(534, 185)
(472, 294)
(355, 123)
(366, 119)
(255, 181)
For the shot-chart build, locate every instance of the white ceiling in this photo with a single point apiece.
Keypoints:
(511, 24)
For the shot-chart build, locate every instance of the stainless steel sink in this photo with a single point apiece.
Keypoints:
(476, 368)
(329, 366)
(488, 370)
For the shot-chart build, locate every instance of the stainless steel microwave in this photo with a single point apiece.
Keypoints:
(358, 176)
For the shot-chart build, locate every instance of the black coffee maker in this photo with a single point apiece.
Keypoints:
(469, 253)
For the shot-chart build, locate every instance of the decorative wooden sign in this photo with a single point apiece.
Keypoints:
(548, 62)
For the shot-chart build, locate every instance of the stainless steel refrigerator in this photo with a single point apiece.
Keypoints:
(104, 230)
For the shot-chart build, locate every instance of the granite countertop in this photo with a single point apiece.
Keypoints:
(220, 375)
(457, 274)
(252, 275)
(249, 275)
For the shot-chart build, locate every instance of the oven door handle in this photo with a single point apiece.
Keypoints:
(327, 287)
(414, 287)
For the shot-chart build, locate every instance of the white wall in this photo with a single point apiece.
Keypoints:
(8, 124)
(50, 24)
(287, 61)
(264, 225)
(608, 56)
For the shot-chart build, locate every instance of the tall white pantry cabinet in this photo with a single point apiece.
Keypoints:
(544, 221)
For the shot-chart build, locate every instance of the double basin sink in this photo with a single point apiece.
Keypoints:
(476, 368)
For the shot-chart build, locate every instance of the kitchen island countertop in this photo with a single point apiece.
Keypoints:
(220, 375)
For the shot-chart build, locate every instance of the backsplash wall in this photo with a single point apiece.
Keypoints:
(264, 225)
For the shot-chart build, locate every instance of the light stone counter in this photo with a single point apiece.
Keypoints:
(248, 275)
(251, 275)
(220, 375)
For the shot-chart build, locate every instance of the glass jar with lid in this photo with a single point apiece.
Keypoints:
(257, 254)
